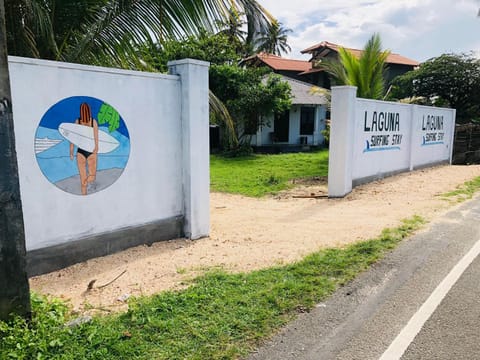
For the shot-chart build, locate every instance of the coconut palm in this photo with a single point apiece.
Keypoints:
(366, 72)
(108, 32)
(274, 39)
(232, 26)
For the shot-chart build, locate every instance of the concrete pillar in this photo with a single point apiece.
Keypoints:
(342, 132)
(195, 136)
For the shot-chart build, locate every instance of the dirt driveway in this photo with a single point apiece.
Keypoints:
(249, 234)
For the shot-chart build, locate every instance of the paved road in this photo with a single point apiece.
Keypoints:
(363, 319)
(453, 331)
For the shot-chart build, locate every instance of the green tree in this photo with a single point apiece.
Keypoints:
(14, 289)
(249, 95)
(366, 72)
(401, 87)
(274, 39)
(109, 32)
(451, 80)
(215, 48)
(218, 49)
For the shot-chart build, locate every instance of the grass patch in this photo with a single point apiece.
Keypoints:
(220, 316)
(465, 191)
(258, 175)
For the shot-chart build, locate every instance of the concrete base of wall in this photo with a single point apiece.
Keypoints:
(368, 179)
(437, 163)
(361, 181)
(41, 261)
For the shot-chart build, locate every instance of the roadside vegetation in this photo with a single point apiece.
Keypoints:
(258, 175)
(464, 192)
(219, 316)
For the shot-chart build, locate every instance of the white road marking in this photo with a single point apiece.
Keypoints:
(408, 333)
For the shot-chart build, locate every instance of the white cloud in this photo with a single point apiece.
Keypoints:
(413, 28)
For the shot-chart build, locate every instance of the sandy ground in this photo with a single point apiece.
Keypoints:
(249, 234)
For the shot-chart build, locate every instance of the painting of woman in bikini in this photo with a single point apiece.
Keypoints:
(82, 145)
(86, 160)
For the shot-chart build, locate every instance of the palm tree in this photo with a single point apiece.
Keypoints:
(233, 25)
(274, 40)
(14, 292)
(366, 72)
(108, 32)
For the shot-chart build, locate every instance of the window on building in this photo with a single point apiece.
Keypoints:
(307, 120)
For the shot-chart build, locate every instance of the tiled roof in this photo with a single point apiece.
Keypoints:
(279, 63)
(324, 47)
(302, 93)
(313, 70)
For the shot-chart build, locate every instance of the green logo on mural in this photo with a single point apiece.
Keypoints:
(82, 145)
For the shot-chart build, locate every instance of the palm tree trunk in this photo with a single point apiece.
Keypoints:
(14, 288)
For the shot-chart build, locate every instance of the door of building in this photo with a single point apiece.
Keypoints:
(281, 126)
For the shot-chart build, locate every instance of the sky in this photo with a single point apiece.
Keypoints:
(417, 29)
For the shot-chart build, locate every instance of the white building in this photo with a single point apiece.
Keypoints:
(301, 125)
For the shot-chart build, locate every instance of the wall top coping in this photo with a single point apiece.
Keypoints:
(397, 103)
(350, 87)
(189, 62)
(91, 68)
(343, 87)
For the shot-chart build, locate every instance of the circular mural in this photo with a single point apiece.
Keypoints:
(82, 145)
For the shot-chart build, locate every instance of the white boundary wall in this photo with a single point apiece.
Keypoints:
(371, 139)
(167, 174)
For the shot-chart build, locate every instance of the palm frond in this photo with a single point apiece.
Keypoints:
(351, 65)
(367, 72)
(220, 112)
(336, 70)
(258, 19)
(28, 27)
(81, 31)
(372, 68)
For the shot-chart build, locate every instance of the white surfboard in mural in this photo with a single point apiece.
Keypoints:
(82, 136)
